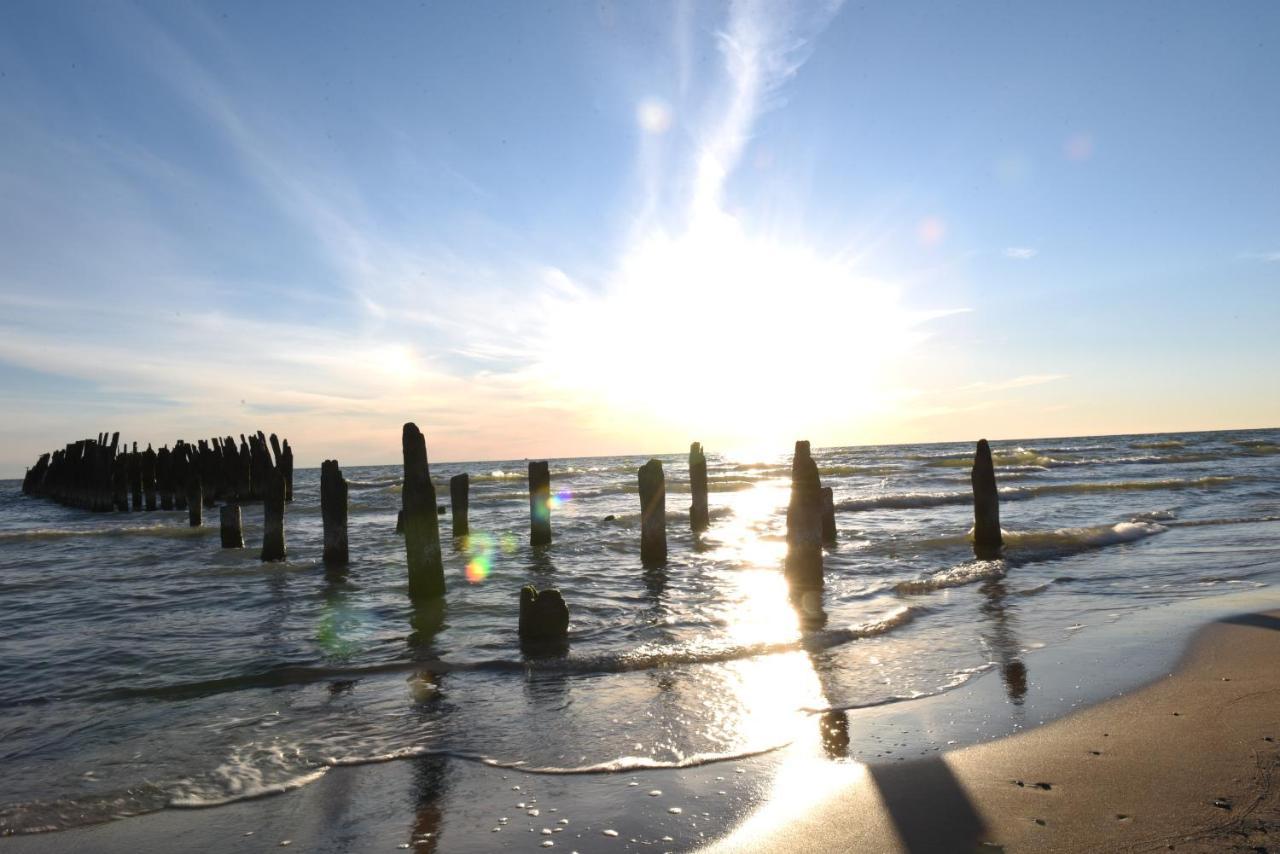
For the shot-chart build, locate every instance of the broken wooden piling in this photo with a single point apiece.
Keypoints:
(539, 504)
(828, 515)
(135, 477)
(699, 516)
(804, 521)
(333, 511)
(987, 541)
(149, 478)
(421, 524)
(544, 616)
(232, 529)
(459, 496)
(273, 547)
(653, 514)
(193, 488)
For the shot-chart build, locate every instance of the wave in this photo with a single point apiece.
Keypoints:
(178, 531)
(647, 657)
(1022, 547)
(1001, 458)
(1161, 443)
(916, 500)
(381, 483)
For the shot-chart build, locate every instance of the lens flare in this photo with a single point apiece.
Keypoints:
(478, 568)
(558, 500)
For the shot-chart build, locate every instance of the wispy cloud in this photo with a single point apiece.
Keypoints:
(1268, 257)
(1020, 253)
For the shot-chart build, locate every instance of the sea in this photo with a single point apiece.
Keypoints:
(143, 667)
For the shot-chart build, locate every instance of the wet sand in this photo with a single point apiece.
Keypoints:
(1188, 763)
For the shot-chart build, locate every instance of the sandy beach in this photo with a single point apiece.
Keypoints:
(1185, 764)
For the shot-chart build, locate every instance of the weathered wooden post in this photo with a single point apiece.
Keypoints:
(987, 541)
(273, 517)
(178, 462)
(543, 615)
(828, 516)
(699, 516)
(653, 514)
(286, 464)
(194, 489)
(539, 504)
(164, 477)
(459, 496)
(232, 531)
(149, 477)
(421, 524)
(804, 521)
(120, 482)
(333, 510)
(135, 477)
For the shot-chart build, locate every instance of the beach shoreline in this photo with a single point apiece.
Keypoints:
(1187, 763)
(752, 803)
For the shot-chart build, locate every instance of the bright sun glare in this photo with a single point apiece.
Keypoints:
(733, 335)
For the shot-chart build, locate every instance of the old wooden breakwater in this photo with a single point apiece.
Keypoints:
(101, 475)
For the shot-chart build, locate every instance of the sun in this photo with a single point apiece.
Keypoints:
(747, 337)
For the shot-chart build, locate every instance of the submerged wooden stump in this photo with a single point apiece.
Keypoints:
(539, 504)
(804, 521)
(544, 616)
(273, 517)
(232, 530)
(459, 496)
(653, 514)
(333, 511)
(699, 516)
(987, 541)
(421, 524)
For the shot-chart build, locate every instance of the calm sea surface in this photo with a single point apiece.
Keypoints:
(143, 666)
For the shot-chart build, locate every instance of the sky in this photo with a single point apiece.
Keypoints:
(548, 229)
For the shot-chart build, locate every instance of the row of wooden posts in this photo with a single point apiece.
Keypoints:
(92, 474)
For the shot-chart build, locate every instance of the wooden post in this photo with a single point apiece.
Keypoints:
(421, 524)
(120, 482)
(149, 477)
(232, 531)
(653, 514)
(286, 465)
(804, 521)
(164, 477)
(828, 516)
(539, 504)
(699, 516)
(178, 463)
(273, 517)
(333, 510)
(543, 615)
(459, 495)
(135, 477)
(194, 489)
(986, 505)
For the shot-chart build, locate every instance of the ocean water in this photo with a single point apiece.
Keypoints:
(144, 667)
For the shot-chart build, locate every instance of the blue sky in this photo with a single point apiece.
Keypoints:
(549, 229)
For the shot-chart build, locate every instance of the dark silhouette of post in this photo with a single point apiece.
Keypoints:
(333, 511)
(699, 516)
(232, 530)
(987, 541)
(273, 516)
(653, 514)
(539, 504)
(828, 516)
(804, 521)
(192, 491)
(459, 489)
(544, 616)
(135, 477)
(286, 465)
(421, 524)
(148, 467)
